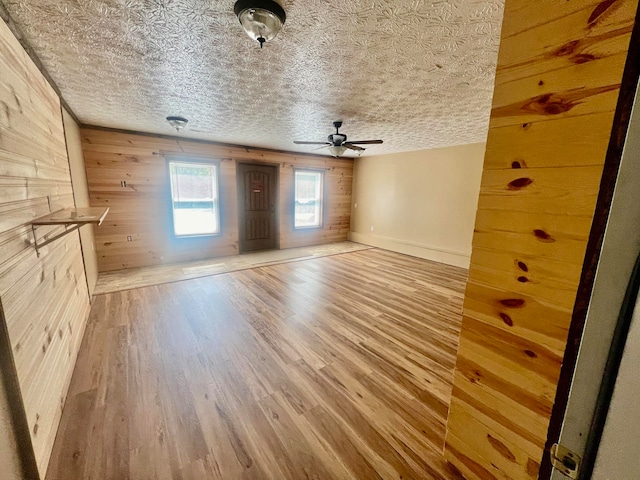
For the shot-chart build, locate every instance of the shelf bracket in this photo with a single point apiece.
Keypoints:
(71, 219)
(48, 240)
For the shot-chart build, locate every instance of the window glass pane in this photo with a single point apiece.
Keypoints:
(194, 196)
(308, 201)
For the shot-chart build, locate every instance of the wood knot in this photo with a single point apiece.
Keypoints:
(531, 354)
(523, 279)
(519, 183)
(543, 236)
(548, 104)
(583, 58)
(522, 266)
(567, 49)
(533, 468)
(600, 9)
(501, 448)
(513, 302)
(506, 319)
(516, 164)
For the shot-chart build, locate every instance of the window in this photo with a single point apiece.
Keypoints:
(194, 198)
(308, 199)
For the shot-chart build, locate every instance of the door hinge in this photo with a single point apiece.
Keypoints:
(565, 461)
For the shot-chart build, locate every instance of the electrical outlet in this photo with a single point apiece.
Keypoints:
(123, 184)
(129, 238)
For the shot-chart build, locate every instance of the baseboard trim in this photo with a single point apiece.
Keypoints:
(450, 257)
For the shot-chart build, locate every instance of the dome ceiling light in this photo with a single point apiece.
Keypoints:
(177, 122)
(337, 151)
(261, 19)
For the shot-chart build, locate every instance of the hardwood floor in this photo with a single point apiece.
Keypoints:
(333, 368)
(129, 278)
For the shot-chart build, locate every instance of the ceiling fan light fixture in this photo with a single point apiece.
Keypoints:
(261, 19)
(336, 150)
(177, 122)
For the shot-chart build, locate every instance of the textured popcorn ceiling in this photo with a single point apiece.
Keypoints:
(416, 73)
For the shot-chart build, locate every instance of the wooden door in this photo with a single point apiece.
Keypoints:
(257, 200)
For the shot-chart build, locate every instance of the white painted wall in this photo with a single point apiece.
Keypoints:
(619, 453)
(419, 203)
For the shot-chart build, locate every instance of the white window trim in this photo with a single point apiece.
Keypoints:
(198, 162)
(322, 173)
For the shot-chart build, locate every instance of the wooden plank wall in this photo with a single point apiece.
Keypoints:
(142, 209)
(44, 300)
(559, 71)
(81, 196)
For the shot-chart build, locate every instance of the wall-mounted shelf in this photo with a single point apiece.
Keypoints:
(71, 218)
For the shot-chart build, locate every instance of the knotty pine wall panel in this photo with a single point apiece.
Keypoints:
(44, 300)
(142, 211)
(559, 71)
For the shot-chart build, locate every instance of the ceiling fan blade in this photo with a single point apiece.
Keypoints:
(319, 148)
(350, 146)
(297, 142)
(366, 142)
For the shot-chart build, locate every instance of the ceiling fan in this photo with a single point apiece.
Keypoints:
(338, 144)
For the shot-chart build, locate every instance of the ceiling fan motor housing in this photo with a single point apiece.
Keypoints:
(337, 139)
(337, 142)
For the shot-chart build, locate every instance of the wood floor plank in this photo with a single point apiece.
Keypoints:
(339, 367)
(130, 278)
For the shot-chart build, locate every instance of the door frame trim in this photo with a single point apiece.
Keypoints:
(612, 162)
(277, 200)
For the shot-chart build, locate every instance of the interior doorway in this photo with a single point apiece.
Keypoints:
(257, 200)
(588, 398)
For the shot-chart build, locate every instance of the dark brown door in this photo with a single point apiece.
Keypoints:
(257, 186)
